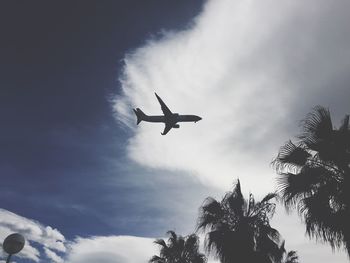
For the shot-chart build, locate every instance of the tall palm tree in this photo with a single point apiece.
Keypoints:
(238, 230)
(314, 177)
(179, 249)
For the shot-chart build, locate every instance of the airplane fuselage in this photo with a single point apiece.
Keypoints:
(175, 118)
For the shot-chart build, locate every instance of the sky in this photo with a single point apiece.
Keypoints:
(83, 183)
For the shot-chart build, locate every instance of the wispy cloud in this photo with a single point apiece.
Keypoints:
(251, 70)
(212, 70)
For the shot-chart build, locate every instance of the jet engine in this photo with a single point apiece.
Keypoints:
(176, 126)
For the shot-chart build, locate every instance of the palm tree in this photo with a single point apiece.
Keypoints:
(314, 177)
(179, 249)
(238, 230)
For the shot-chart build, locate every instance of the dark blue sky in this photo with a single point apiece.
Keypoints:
(62, 154)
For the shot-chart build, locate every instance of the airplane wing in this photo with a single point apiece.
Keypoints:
(164, 107)
(166, 129)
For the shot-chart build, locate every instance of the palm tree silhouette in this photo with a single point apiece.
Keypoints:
(314, 177)
(179, 249)
(238, 230)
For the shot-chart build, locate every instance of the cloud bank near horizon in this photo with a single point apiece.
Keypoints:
(114, 249)
(111, 249)
(252, 70)
(50, 239)
(56, 249)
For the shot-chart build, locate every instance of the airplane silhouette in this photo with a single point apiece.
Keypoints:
(170, 119)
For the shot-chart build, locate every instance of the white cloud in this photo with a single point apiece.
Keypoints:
(210, 71)
(132, 249)
(53, 256)
(34, 233)
(103, 249)
(252, 70)
(114, 249)
(111, 249)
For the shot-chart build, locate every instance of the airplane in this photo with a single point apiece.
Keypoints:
(170, 119)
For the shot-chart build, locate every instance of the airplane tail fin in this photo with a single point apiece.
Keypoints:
(140, 115)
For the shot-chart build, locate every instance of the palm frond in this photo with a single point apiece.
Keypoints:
(293, 187)
(317, 127)
(313, 177)
(273, 234)
(225, 245)
(173, 236)
(268, 243)
(156, 259)
(210, 213)
(342, 144)
(179, 249)
(268, 197)
(160, 242)
(235, 225)
(290, 157)
(264, 210)
(251, 205)
(234, 200)
(191, 241)
(345, 124)
(321, 221)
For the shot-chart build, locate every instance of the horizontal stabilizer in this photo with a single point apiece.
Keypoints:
(140, 115)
